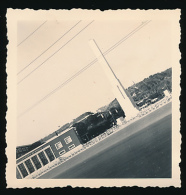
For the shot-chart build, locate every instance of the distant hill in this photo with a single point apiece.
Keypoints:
(146, 90)
(152, 87)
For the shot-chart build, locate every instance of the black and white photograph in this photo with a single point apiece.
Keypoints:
(95, 96)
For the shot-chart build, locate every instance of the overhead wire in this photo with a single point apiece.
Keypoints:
(85, 67)
(55, 52)
(126, 37)
(59, 87)
(32, 33)
(48, 47)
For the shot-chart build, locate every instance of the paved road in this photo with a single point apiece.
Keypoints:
(140, 150)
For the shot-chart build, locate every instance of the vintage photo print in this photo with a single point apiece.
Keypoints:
(93, 98)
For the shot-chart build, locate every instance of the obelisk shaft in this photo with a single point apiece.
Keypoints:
(124, 99)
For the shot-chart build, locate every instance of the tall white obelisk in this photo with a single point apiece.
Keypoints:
(125, 100)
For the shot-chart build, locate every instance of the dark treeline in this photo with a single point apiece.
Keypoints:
(152, 87)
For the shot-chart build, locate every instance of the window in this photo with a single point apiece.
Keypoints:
(50, 154)
(58, 145)
(71, 147)
(68, 140)
(23, 169)
(29, 166)
(36, 162)
(62, 152)
(43, 158)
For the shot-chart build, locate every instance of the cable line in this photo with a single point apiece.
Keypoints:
(32, 33)
(127, 36)
(85, 68)
(55, 52)
(48, 47)
(59, 87)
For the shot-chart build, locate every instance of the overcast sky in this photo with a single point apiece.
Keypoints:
(146, 52)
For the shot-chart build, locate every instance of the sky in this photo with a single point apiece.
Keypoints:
(146, 52)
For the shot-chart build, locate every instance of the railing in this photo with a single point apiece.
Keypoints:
(154, 106)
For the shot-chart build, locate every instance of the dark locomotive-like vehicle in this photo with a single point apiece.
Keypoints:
(95, 124)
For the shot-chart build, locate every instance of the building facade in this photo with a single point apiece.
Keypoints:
(46, 153)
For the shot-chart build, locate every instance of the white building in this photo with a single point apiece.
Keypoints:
(167, 93)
